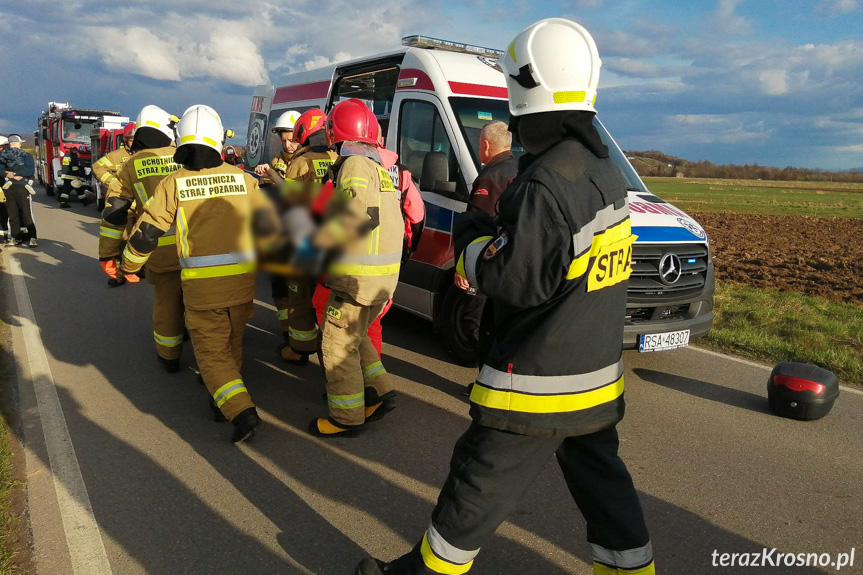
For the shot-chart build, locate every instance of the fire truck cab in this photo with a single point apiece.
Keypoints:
(105, 137)
(60, 127)
(432, 98)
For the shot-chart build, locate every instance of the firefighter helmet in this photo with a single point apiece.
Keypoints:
(286, 121)
(551, 65)
(129, 131)
(351, 120)
(156, 118)
(201, 125)
(3, 140)
(308, 123)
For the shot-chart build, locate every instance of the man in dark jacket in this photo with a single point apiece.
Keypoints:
(555, 266)
(19, 168)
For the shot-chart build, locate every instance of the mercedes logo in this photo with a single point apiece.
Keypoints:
(670, 269)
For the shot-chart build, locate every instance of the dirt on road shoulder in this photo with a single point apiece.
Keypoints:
(818, 256)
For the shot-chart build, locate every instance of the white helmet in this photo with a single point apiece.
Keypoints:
(156, 118)
(286, 121)
(3, 140)
(550, 66)
(201, 125)
(76, 183)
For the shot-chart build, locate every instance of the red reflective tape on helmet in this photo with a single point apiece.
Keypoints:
(797, 384)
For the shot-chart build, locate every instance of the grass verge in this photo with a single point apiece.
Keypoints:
(780, 326)
(9, 528)
(822, 199)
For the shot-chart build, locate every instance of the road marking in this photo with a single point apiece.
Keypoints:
(760, 365)
(86, 548)
(259, 329)
(266, 305)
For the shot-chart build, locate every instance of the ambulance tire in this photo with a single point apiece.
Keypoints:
(459, 341)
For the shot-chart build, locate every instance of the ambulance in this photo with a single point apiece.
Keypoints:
(432, 98)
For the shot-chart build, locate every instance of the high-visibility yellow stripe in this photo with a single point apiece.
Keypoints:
(303, 335)
(352, 401)
(282, 314)
(600, 569)
(217, 271)
(142, 193)
(365, 270)
(513, 401)
(134, 258)
(188, 138)
(228, 391)
(569, 97)
(183, 226)
(107, 177)
(110, 233)
(168, 341)
(210, 141)
(437, 564)
(374, 370)
(460, 265)
(152, 123)
(614, 234)
(170, 240)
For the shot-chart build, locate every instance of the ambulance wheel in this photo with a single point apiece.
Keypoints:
(49, 190)
(457, 337)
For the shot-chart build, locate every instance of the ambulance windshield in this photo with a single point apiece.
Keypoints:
(474, 113)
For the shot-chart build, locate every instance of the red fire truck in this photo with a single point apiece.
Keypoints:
(107, 136)
(59, 128)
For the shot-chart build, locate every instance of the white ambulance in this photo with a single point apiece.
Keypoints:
(432, 98)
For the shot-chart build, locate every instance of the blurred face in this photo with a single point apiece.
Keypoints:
(288, 142)
(127, 142)
(14, 144)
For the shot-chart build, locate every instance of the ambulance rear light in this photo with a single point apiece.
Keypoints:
(437, 44)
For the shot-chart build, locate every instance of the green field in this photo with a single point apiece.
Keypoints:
(824, 199)
(776, 326)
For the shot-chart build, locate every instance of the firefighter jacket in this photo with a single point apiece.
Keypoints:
(281, 162)
(309, 166)
(363, 220)
(555, 271)
(108, 165)
(135, 184)
(219, 217)
(71, 167)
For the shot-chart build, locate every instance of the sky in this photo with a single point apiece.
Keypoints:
(774, 82)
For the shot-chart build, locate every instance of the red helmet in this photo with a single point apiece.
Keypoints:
(129, 131)
(308, 123)
(352, 120)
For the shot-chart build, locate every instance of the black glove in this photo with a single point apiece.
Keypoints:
(470, 226)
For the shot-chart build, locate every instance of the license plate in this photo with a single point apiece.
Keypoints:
(663, 341)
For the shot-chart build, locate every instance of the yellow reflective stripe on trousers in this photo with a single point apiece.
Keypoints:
(600, 569)
(374, 370)
(614, 234)
(302, 335)
(359, 270)
(217, 271)
(110, 233)
(168, 341)
(440, 565)
(228, 391)
(134, 258)
(183, 226)
(142, 193)
(347, 401)
(512, 401)
(282, 314)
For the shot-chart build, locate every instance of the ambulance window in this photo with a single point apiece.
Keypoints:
(376, 88)
(421, 131)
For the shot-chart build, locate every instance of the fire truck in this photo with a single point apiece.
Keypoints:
(59, 128)
(106, 136)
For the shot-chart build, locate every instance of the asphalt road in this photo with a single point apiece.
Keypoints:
(171, 495)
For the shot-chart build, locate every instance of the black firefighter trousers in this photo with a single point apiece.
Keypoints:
(491, 471)
(19, 208)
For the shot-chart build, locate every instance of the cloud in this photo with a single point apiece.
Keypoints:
(727, 19)
(774, 82)
(838, 7)
(853, 149)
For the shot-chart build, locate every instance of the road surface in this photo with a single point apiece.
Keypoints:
(128, 474)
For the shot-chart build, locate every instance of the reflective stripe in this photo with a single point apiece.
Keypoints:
(550, 384)
(348, 270)
(466, 267)
(187, 138)
(217, 271)
(303, 335)
(441, 557)
(347, 401)
(354, 181)
(228, 391)
(628, 559)
(168, 341)
(110, 233)
(210, 141)
(569, 97)
(600, 569)
(614, 234)
(216, 260)
(374, 370)
(134, 258)
(142, 193)
(169, 238)
(107, 177)
(371, 259)
(282, 314)
(606, 218)
(514, 401)
(105, 161)
(183, 226)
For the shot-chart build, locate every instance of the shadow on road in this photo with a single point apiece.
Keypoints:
(706, 390)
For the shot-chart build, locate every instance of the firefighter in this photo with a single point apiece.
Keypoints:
(215, 209)
(72, 172)
(308, 167)
(552, 383)
(284, 128)
(152, 160)
(363, 222)
(108, 165)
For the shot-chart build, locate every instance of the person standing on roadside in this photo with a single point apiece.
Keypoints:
(19, 167)
(552, 382)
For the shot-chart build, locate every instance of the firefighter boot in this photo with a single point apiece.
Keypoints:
(410, 564)
(170, 365)
(245, 425)
(291, 356)
(377, 407)
(324, 427)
